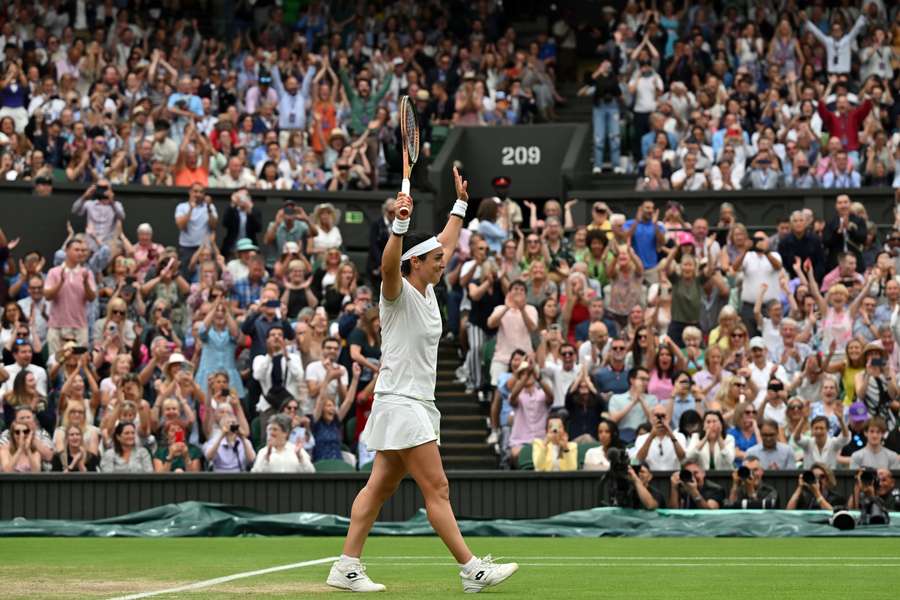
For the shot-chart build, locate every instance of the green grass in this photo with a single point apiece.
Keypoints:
(415, 568)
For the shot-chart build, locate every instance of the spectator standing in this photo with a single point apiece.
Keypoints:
(70, 287)
(646, 234)
(279, 455)
(838, 47)
(197, 220)
(242, 220)
(531, 397)
(606, 98)
(514, 321)
(645, 86)
(844, 232)
(103, 212)
(759, 265)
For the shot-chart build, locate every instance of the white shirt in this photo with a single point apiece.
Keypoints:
(40, 376)
(237, 269)
(661, 455)
(827, 455)
(291, 375)
(758, 270)
(595, 459)
(284, 461)
(325, 240)
(645, 93)
(560, 380)
(695, 182)
(410, 331)
(760, 378)
(315, 371)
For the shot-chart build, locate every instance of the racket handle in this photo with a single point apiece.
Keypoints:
(404, 187)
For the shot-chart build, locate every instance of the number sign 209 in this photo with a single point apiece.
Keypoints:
(521, 155)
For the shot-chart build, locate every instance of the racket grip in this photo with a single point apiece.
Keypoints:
(404, 187)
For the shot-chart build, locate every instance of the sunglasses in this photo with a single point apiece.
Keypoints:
(570, 353)
(118, 312)
(738, 335)
(76, 412)
(750, 412)
(291, 408)
(794, 407)
(685, 382)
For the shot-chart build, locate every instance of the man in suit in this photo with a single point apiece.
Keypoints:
(844, 232)
(241, 220)
(279, 374)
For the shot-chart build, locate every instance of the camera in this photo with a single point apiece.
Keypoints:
(234, 428)
(686, 476)
(743, 473)
(878, 362)
(101, 192)
(809, 478)
(868, 477)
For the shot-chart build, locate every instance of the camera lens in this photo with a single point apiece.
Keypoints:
(743, 472)
(809, 477)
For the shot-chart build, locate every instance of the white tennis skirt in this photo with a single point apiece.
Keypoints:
(398, 422)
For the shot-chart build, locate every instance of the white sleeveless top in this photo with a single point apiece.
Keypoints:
(410, 331)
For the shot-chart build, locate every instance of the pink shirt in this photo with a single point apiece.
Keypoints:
(513, 334)
(530, 416)
(68, 309)
(661, 387)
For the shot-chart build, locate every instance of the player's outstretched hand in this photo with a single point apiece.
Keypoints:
(462, 186)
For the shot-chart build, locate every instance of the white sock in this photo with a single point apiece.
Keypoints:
(349, 559)
(470, 565)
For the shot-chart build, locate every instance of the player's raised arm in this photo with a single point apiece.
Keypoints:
(391, 283)
(450, 235)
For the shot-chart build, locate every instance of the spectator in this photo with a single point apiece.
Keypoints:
(277, 372)
(713, 449)
(748, 489)
(696, 492)
(818, 494)
(197, 220)
(822, 448)
(606, 98)
(126, 456)
(531, 397)
(74, 455)
(584, 408)
(514, 322)
(242, 220)
(874, 455)
(595, 459)
(841, 175)
(662, 449)
(229, 450)
(328, 421)
(327, 235)
(555, 452)
(629, 409)
(772, 453)
(177, 455)
(844, 232)
(280, 455)
(803, 244)
(70, 287)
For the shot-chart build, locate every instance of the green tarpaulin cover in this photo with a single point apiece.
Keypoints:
(191, 519)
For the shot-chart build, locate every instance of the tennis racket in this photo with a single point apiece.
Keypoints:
(409, 134)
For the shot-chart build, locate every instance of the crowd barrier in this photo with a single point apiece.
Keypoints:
(474, 494)
(41, 221)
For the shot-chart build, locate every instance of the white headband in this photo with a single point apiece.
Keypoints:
(421, 248)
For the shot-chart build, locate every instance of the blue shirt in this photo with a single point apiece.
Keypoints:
(197, 230)
(679, 407)
(247, 292)
(741, 442)
(610, 380)
(644, 241)
(503, 389)
(328, 440)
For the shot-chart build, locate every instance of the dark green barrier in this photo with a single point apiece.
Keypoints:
(474, 494)
(196, 519)
(41, 222)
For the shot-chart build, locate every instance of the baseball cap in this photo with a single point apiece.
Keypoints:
(858, 412)
(501, 181)
(757, 342)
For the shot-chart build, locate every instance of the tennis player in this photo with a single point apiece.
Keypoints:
(404, 425)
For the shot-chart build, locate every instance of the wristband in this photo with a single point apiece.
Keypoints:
(400, 226)
(459, 209)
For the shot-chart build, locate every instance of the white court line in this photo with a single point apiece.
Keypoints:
(642, 566)
(211, 582)
(635, 558)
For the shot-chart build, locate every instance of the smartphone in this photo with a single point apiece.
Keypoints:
(179, 436)
(79, 350)
(878, 362)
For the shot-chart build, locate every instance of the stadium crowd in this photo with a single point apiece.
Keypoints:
(116, 90)
(685, 347)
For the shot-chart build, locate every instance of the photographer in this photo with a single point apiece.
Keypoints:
(555, 452)
(229, 451)
(815, 490)
(690, 489)
(748, 489)
(875, 484)
(662, 449)
(621, 486)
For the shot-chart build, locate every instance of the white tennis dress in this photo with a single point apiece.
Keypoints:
(403, 414)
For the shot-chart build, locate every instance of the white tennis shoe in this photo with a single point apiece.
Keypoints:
(351, 576)
(486, 573)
